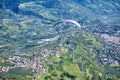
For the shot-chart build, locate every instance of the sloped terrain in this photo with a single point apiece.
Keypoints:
(29, 41)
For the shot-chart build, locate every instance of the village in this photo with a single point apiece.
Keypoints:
(36, 64)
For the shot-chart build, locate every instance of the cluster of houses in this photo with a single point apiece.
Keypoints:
(36, 63)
